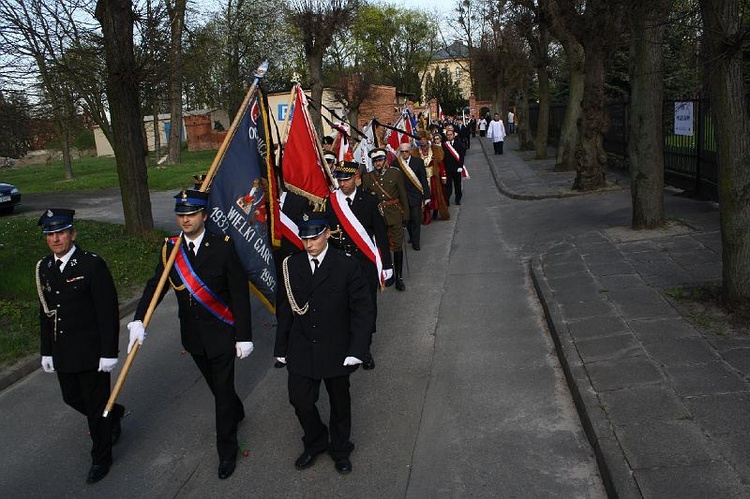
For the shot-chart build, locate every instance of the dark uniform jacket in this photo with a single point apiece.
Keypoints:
(365, 208)
(416, 198)
(88, 320)
(451, 165)
(219, 267)
(338, 323)
(390, 190)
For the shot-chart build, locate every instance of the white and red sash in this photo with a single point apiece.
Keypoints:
(290, 231)
(198, 289)
(454, 153)
(356, 231)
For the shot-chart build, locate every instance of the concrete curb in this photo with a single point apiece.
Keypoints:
(614, 468)
(15, 373)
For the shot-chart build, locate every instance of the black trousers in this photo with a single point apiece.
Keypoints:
(303, 395)
(453, 182)
(414, 225)
(498, 146)
(87, 392)
(219, 374)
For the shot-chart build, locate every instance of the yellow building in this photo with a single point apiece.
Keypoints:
(454, 58)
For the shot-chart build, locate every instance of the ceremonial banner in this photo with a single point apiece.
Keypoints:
(302, 164)
(367, 144)
(237, 201)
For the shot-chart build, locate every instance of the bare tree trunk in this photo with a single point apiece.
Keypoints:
(176, 12)
(65, 148)
(542, 124)
(590, 157)
(573, 111)
(522, 119)
(315, 64)
(116, 18)
(646, 145)
(723, 38)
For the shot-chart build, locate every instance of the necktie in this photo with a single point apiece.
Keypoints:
(316, 263)
(191, 252)
(58, 264)
(349, 201)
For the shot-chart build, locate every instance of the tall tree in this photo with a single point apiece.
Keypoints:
(574, 53)
(440, 86)
(116, 18)
(176, 11)
(726, 35)
(315, 22)
(646, 140)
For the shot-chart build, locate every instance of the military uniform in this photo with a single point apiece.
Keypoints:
(388, 185)
(80, 325)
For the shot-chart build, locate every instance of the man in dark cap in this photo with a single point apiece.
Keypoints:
(387, 184)
(359, 231)
(80, 327)
(324, 325)
(214, 309)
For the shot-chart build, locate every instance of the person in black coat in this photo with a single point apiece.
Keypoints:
(323, 332)
(417, 190)
(453, 166)
(214, 327)
(80, 325)
(364, 205)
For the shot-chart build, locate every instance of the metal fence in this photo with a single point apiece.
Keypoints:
(690, 161)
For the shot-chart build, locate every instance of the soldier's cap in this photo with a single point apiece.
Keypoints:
(312, 225)
(377, 153)
(329, 157)
(56, 220)
(189, 201)
(346, 170)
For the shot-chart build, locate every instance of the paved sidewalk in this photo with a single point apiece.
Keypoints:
(665, 402)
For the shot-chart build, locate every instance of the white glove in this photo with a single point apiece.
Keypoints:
(352, 361)
(47, 364)
(281, 359)
(427, 201)
(244, 348)
(106, 365)
(460, 170)
(137, 333)
(387, 274)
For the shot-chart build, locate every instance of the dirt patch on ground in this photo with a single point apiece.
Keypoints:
(705, 307)
(627, 234)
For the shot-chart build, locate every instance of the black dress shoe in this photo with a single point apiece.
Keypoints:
(458, 203)
(416, 247)
(343, 465)
(400, 284)
(305, 460)
(97, 472)
(226, 468)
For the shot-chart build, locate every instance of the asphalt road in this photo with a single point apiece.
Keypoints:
(467, 399)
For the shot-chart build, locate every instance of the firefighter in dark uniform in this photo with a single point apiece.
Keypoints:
(387, 183)
(325, 321)
(80, 327)
(364, 205)
(214, 326)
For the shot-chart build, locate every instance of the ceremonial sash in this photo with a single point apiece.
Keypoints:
(290, 231)
(410, 175)
(356, 231)
(198, 289)
(454, 153)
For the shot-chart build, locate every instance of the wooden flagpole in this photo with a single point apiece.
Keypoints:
(259, 73)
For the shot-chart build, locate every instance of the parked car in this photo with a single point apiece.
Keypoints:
(10, 196)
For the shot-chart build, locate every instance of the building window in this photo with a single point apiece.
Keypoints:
(458, 74)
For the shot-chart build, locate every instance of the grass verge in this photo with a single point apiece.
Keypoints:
(131, 260)
(92, 173)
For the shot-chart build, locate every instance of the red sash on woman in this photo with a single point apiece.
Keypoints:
(199, 290)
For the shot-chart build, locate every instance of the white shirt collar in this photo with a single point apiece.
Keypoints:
(197, 241)
(320, 258)
(66, 257)
(352, 195)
